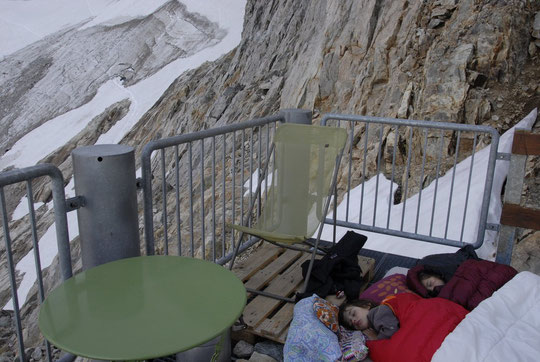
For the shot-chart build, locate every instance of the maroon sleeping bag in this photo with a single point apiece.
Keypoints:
(473, 281)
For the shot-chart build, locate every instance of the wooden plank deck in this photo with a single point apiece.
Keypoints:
(276, 270)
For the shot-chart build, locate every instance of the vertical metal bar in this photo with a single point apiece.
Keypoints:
(378, 172)
(407, 177)
(273, 197)
(223, 195)
(164, 199)
(267, 160)
(421, 181)
(213, 198)
(468, 189)
(488, 186)
(452, 185)
(60, 222)
(37, 259)
(242, 177)
(350, 171)
(391, 198)
(364, 172)
(259, 168)
(177, 196)
(233, 193)
(11, 268)
(250, 169)
(148, 199)
(334, 213)
(191, 198)
(203, 239)
(441, 142)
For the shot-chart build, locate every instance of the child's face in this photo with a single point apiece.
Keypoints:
(432, 282)
(357, 317)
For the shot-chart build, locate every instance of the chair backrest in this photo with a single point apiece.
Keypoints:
(305, 162)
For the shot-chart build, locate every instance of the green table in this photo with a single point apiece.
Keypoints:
(143, 307)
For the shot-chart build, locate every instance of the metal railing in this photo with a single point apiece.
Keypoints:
(206, 185)
(60, 220)
(402, 145)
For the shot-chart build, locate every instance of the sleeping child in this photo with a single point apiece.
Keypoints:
(460, 277)
(376, 321)
(406, 327)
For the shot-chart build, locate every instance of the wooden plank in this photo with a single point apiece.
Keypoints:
(256, 261)
(278, 323)
(264, 276)
(526, 143)
(519, 216)
(283, 337)
(261, 307)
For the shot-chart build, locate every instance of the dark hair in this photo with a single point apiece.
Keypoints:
(361, 303)
(425, 274)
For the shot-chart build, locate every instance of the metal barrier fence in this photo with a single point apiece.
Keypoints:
(199, 195)
(200, 184)
(408, 210)
(60, 220)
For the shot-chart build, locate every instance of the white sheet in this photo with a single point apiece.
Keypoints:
(504, 327)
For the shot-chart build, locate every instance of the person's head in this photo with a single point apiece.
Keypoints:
(430, 280)
(353, 314)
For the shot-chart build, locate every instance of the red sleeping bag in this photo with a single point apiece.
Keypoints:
(423, 325)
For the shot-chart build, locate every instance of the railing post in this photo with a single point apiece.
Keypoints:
(108, 222)
(294, 115)
(512, 195)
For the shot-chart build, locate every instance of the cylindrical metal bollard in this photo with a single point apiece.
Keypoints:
(295, 115)
(108, 222)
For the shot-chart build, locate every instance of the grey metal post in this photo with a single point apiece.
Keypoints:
(108, 222)
(294, 115)
(512, 195)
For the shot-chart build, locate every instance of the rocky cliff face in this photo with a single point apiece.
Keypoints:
(64, 70)
(467, 61)
(460, 61)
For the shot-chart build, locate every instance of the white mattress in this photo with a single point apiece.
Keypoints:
(504, 327)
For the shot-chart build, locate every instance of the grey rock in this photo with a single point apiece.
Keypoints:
(36, 355)
(242, 349)
(5, 321)
(259, 357)
(272, 349)
(536, 26)
(435, 23)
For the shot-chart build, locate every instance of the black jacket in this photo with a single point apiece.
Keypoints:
(338, 270)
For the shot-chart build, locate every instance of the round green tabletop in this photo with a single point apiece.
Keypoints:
(143, 307)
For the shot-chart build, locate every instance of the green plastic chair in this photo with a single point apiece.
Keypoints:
(304, 172)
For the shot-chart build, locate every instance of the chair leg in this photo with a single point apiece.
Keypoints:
(235, 253)
(271, 295)
(310, 267)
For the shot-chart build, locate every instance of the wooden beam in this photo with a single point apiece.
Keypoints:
(519, 216)
(526, 143)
